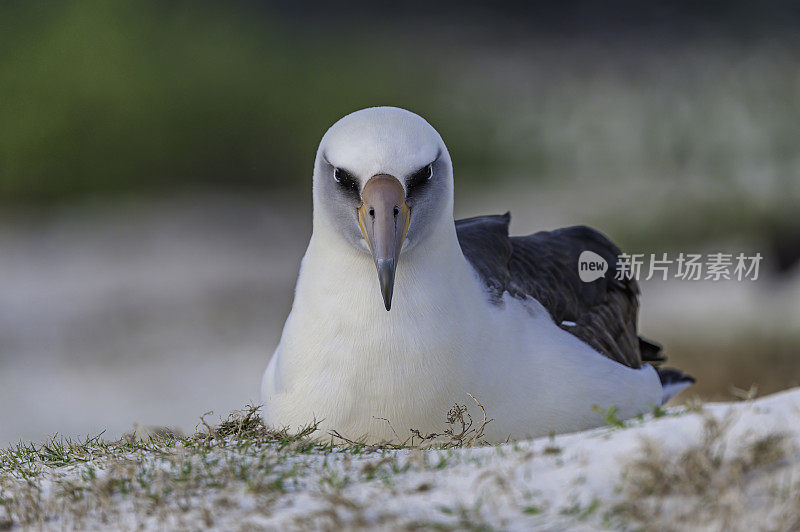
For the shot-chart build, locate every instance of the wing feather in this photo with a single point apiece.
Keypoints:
(544, 266)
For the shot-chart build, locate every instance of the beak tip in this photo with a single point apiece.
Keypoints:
(386, 269)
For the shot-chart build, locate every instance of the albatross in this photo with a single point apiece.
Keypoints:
(456, 308)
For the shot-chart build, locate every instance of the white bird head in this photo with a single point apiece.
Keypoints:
(383, 181)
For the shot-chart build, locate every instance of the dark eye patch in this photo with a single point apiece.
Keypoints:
(347, 182)
(419, 179)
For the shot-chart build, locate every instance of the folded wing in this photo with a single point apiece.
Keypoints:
(603, 313)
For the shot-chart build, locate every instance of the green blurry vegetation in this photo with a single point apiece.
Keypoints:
(118, 96)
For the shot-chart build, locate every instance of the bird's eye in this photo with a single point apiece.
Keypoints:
(347, 181)
(419, 179)
(344, 178)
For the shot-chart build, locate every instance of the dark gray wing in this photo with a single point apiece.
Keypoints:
(544, 266)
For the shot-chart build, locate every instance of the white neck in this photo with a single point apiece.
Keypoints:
(340, 335)
(433, 280)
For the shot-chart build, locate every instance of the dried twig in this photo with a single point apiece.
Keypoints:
(390, 426)
(386, 444)
(479, 433)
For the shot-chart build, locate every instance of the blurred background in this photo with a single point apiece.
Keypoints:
(156, 157)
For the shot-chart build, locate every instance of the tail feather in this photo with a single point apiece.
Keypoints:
(673, 382)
